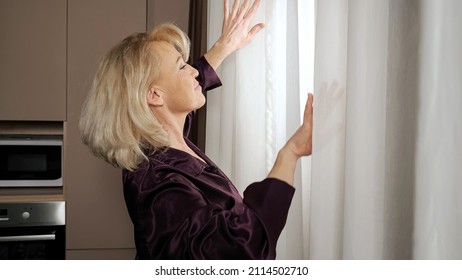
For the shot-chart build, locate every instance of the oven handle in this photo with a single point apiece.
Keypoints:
(38, 237)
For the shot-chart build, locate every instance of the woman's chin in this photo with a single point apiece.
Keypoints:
(201, 104)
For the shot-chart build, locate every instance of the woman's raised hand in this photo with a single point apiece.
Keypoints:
(236, 33)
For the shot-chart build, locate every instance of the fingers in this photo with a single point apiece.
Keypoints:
(243, 9)
(235, 8)
(251, 12)
(235, 32)
(255, 30)
(308, 114)
(226, 7)
(226, 10)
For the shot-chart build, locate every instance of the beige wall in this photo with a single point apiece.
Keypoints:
(174, 11)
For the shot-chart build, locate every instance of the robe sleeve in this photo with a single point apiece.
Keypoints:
(179, 222)
(208, 78)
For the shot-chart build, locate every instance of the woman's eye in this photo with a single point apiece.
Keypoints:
(182, 67)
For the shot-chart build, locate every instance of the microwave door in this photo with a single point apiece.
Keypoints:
(31, 163)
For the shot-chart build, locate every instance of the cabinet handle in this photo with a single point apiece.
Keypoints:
(39, 237)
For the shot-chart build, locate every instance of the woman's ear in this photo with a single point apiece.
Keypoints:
(154, 98)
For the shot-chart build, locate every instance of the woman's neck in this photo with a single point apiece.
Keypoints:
(174, 128)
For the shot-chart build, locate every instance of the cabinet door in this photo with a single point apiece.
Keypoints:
(97, 217)
(33, 60)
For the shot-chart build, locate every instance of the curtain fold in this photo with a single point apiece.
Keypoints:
(386, 177)
(328, 158)
(438, 214)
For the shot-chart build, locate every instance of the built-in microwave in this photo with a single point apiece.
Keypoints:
(31, 160)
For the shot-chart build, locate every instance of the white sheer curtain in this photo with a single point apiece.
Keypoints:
(386, 168)
(387, 161)
(251, 116)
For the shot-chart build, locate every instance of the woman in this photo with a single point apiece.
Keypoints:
(137, 117)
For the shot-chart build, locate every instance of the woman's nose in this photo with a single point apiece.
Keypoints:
(194, 72)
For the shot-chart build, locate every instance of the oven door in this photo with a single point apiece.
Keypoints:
(32, 243)
(32, 230)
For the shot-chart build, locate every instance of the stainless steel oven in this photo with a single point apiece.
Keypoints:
(32, 230)
(31, 160)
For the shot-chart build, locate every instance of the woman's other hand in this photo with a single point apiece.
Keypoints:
(235, 31)
(300, 144)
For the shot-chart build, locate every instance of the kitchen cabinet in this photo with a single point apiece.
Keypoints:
(98, 225)
(33, 60)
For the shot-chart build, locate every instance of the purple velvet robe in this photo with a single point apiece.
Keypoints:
(183, 208)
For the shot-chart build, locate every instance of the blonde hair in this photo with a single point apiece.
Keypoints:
(116, 122)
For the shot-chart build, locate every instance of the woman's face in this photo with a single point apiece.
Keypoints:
(177, 84)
